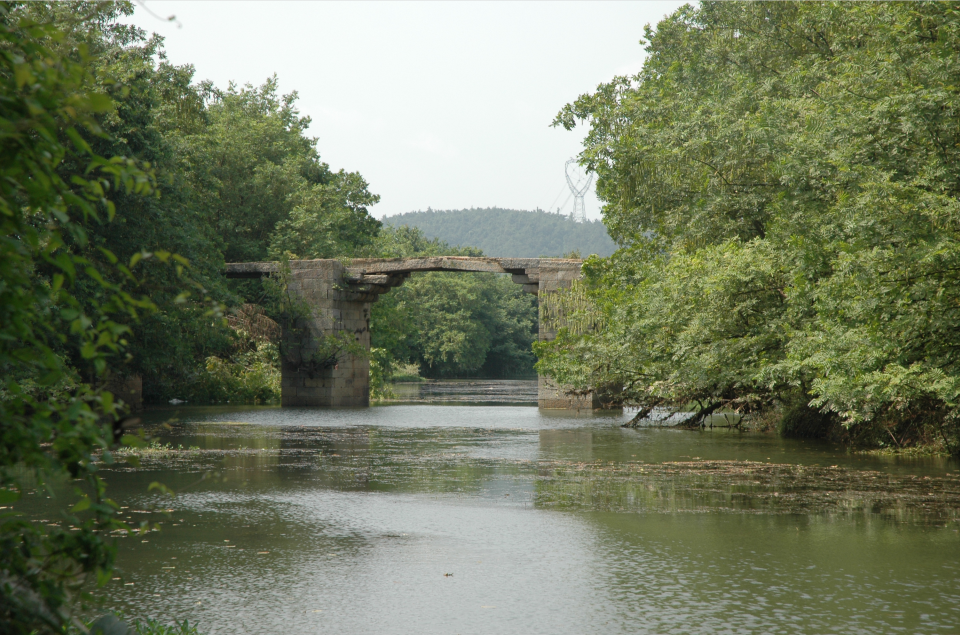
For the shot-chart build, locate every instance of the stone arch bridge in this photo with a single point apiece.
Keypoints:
(338, 295)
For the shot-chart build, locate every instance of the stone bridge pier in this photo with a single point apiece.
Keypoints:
(335, 299)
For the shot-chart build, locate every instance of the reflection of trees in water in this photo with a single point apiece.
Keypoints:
(435, 460)
(744, 486)
(581, 468)
(501, 391)
(568, 445)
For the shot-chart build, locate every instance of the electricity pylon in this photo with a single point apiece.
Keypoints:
(579, 184)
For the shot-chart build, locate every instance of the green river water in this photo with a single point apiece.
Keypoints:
(467, 510)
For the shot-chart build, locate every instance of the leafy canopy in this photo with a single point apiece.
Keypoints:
(783, 180)
(65, 302)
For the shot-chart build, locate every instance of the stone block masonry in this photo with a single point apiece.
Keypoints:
(334, 298)
(324, 310)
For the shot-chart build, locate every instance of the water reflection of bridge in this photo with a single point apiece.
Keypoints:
(337, 295)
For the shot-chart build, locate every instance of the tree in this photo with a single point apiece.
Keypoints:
(328, 220)
(234, 173)
(158, 110)
(782, 179)
(268, 191)
(52, 423)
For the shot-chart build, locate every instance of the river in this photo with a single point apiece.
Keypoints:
(467, 510)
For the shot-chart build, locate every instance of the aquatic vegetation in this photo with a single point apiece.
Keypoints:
(153, 449)
(748, 487)
(113, 624)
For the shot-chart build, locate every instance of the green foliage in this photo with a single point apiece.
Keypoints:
(510, 233)
(261, 191)
(328, 221)
(469, 325)
(234, 177)
(154, 627)
(453, 324)
(250, 376)
(111, 624)
(783, 178)
(66, 306)
(267, 192)
(155, 107)
(381, 371)
(405, 373)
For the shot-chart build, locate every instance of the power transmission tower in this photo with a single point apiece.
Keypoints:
(579, 184)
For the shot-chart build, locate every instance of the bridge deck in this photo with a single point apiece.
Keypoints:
(388, 266)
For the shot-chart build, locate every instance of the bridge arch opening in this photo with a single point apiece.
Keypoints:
(337, 297)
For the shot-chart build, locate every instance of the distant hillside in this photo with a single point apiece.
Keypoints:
(510, 232)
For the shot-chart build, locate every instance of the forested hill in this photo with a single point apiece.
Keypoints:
(510, 232)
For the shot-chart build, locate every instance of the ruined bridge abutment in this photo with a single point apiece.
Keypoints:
(336, 297)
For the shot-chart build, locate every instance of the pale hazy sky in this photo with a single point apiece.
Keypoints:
(437, 104)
